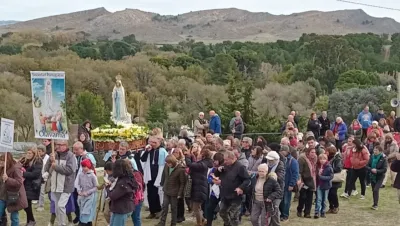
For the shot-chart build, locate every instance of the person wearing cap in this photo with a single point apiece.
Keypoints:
(291, 177)
(278, 167)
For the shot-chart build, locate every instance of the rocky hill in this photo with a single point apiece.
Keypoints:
(209, 25)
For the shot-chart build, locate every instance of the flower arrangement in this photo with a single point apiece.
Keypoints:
(120, 132)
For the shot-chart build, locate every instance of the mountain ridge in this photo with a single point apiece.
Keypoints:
(211, 25)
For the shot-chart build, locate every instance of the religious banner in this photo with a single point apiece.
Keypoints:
(49, 108)
(7, 135)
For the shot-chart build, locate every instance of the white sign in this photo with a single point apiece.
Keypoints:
(7, 133)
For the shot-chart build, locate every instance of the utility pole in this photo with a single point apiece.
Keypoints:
(398, 93)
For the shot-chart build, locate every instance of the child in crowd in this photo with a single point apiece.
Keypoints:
(271, 191)
(121, 193)
(108, 180)
(173, 181)
(324, 183)
(377, 167)
(87, 191)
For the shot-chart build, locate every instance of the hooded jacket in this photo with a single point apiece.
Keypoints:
(391, 149)
(365, 119)
(15, 183)
(174, 182)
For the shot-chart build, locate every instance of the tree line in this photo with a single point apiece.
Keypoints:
(167, 85)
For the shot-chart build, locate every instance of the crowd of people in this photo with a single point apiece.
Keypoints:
(206, 177)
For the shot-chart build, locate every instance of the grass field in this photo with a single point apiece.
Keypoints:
(352, 212)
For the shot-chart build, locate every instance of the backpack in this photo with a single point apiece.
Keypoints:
(139, 193)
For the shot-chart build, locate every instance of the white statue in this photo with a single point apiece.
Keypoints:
(119, 112)
(48, 97)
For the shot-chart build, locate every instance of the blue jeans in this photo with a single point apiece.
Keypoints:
(320, 205)
(14, 215)
(136, 215)
(285, 204)
(119, 219)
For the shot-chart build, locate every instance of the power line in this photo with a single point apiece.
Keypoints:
(375, 6)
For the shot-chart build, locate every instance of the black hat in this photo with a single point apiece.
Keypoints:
(275, 147)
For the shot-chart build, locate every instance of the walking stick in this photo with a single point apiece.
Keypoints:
(98, 208)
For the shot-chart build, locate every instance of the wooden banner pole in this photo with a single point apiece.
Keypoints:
(5, 163)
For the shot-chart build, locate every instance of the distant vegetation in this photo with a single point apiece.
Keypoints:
(168, 85)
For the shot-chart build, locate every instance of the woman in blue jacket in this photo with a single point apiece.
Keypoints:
(339, 129)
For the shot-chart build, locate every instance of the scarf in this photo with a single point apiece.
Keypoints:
(375, 160)
(202, 121)
(162, 154)
(313, 170)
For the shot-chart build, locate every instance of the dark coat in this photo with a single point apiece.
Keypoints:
(280, 172)
(324, 180)
(395, 167)
(121, 196)
(305, 173)
(325, 125)
(174, 183)
(381, 167)
(33, 179)
(14, 184)
(198, 173)
(232, 177)
(313, 126)
(272, 189)
(337, 165)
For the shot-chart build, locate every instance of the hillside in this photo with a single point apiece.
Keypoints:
(7, 22)
(209, 25)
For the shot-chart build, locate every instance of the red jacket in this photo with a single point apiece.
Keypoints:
(347, 154)
(360, 159)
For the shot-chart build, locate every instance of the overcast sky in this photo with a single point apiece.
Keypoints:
(26, 10)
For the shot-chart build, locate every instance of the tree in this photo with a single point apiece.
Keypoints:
(315, 83)
(223, 66)
(185, 61)
(247, 60)
(17, 107)
(90, 106)
(357, 79)
(349, 103)
(157, 112)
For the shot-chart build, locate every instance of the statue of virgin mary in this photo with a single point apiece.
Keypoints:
(119, 112)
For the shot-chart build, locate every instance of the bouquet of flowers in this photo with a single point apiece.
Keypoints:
(121, 132)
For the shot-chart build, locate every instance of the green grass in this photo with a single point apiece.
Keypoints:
(353, 211)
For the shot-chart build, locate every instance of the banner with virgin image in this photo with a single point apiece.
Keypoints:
(49, 108)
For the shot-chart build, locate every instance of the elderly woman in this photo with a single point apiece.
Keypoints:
(339, 129)
(258, 207)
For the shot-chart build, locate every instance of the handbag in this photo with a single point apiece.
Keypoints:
(340, 177)
(188, 187)
(12, 197)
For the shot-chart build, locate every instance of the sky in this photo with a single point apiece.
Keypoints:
(25, 10)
